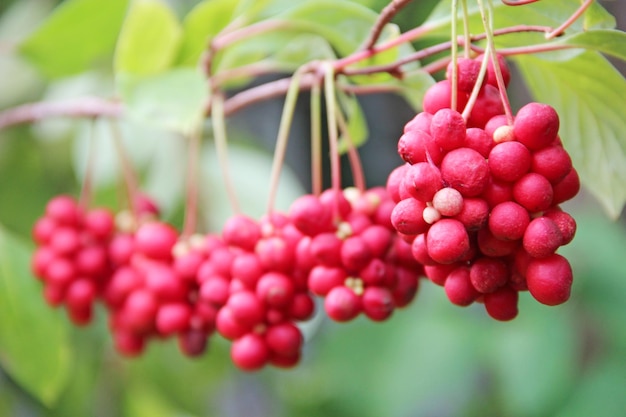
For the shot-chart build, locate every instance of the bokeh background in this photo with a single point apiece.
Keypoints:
(431, 359)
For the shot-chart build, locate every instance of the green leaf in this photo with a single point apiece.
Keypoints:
(173, 100)
(357, 125)
(541, 346)
(34, 346)
(589, 95)
(79, 35)
(149, 40)
(599, 390)
(610, 42)
(345, 25)
(202, 23)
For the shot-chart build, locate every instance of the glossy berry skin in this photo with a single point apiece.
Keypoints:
(250, 352)
(536, 125)
(549, 279)
(342, 304)
(447, 241)
(465, 170)
(502, 304)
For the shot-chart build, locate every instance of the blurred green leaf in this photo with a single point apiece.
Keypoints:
(357, 125)
(204, 21)
(610, 42)
(34, 346)
(79, 35)
(344, 24)
(149, 39)
(173, 100)
(541, 346)
(599, 391)
(589, 95)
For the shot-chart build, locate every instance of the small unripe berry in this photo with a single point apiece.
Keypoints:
(448, 201)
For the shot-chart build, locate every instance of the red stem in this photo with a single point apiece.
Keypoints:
(385, 17)
(558, 31)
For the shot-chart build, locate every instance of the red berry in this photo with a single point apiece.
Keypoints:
(173, 318)
(553, 162)
(422, 181)
(467, 73)
(502, 304)
(418, 146)
(478, 140)
(567, 188)
(156, 240)
(448, 129)
(488, 104)
(466, 170)
(508, 161)
(549, 279)
(542, 237)
(447, 241)
(246, 308)
(459, 288)
(377, 303)
(533, 192)
(284, 339)
(421, 121)
(439, 96)
(488, 274)
(275, 289)
(508, 221)
(342, 304)
(250, 352)
(407, 217)
(536, 125)
(241, 231)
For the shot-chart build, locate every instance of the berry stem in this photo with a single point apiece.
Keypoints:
(221, 147)
(130, 178)
(454, 53)
(466, 32)
(87, 186)
(353, 154)
(76, 107)
(331, 120)
(193, 176)
(487, 19)
(559, 31)
(283, 137)
(479, 82)
(316, 139)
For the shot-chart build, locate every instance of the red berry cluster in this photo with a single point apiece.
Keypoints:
(479, 198)
(357, 261)
(72, 259)
(252, 283)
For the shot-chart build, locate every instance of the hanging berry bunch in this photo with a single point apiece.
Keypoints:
(474, 208)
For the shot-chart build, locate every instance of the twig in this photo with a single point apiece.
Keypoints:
(385, 17)
(76, 107)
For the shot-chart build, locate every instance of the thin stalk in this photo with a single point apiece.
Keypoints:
(316, 139)
(558, 31)
(130, 178)
(353, 155)
(331, 120)
(487, 19)
(466, 32)
(454, 53)
(283, 137)
(193, 176)
(479, 82)
(221, 147)
(384, 17)
(87, 186)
